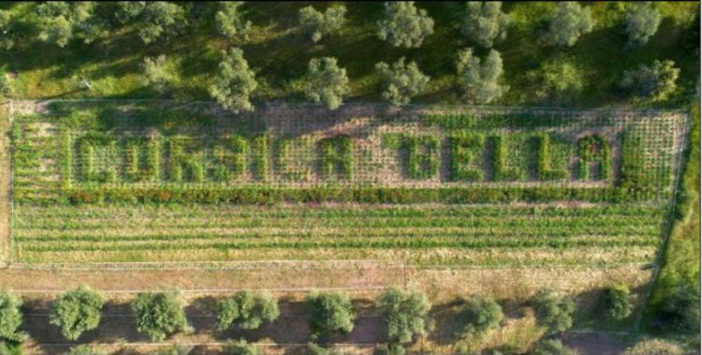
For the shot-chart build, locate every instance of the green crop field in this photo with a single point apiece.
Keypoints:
(113, 181)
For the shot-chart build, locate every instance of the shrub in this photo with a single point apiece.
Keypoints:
(480, 81)
(568, 24)
(655, 82)
(403, 81)
(559, 78)
(405, 25)
(680, 310)
(85, 349)
(326, 82)
(405, 314)
(10, 317)
(552, 347)
(641, 22)
(478, 315)
(317, 24)
(229, 21)
(240, 347)
(484, 22)
(156, 74)
(59, 22)
(553, 310)
(656, 347)
(7, 24)
(616, 302)
(159, 315)
(77, 311)
(330, 313)
(246, 310)
(235, 82)
(159, 20)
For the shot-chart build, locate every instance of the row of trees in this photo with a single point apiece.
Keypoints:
(406, 313)
(403, 24)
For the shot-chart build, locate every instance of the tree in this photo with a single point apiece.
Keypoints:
(477, 315)
(480, 81)
(10, 317)
(403, 81)
(156, 19)
(240, 347)
(654, 82)
(155, 73)
(234, 83)
(558, 79)
(246, 310)
(641, 22)
(229, 20)
(405, 314)
(484, 22)
(60, 21)
(7, 30)
(330, 313)
(317, 24)
(405, 25)
(568, 24)
(552, 347)
(680, 309)
(159, 315)
(553, 310)
(128, 11)
(326, 82)
(77, 311)
(616, 302)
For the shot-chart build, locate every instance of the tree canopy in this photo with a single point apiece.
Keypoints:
(641, 22)
(159, 315)
(230, 22)
(330, 313)
(405, 314)
(234, 83)
(653, 82)
(569, 23)
(484, 22)
(10, 317)
(77, 311)
(246, 310)
(477, 315)
(326, 82)
(616, 302)
(403, 81)
(405, 25)
(553, 310)
(480, 81)
(240, 347)
(317, 24)
(59, 22)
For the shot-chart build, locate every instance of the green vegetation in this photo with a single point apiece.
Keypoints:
(77, 311)
(159, 315)
(480, 80)
(317, 24)
(552, 347)
(326, 82)
(405, 25)
(240, 347)
(403, 81)
(485, 23)
(642, 21)
(654, 82)
(246, 310)
(330, 313)
(405, 314)
(567, 25)
(478, 315)
(235, 82)
(617, 305)
(10, 317)
(553, 310)
(230, 22)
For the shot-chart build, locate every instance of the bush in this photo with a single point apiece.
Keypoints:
(317, 24)
(405, 25)
(641, 22)
(234, 83)
(403, 81)
(680, 310)
(617, 305)
(159, 315)
(247, 311)
(484, 22)
(156, 74)
(326, 82)
(559, 78)
(477, 315)
(656, 347)
(77, 311)
(85, 349)
(59, 22)
(480, 81)
(7, 24)
(240, 347)
(553, 310)
(568, 24)
(655, 82)
(10, 317)
(160, 20)
(552, 347)
(229, 21)
(390, 349)
(330, 313)
(405, 314)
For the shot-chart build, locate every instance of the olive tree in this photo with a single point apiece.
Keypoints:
(155, 20)
(229, 20)
(317, 24)
(77, 311)
(330, 313)
(405, 25)
(553, 310)
(405, 314)
(655, 82)
(477, 315)
(403, 81)
(484, 22)
(567, 25)
(240, 347)
(235, 82)
(159, 315)
(616, 302)
(641, 22)
(326, 82)
(480, 80)
(10, 317)
(246, 310)
(59, 22)
(156, 74)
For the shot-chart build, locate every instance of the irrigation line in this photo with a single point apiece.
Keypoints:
(683, 134)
